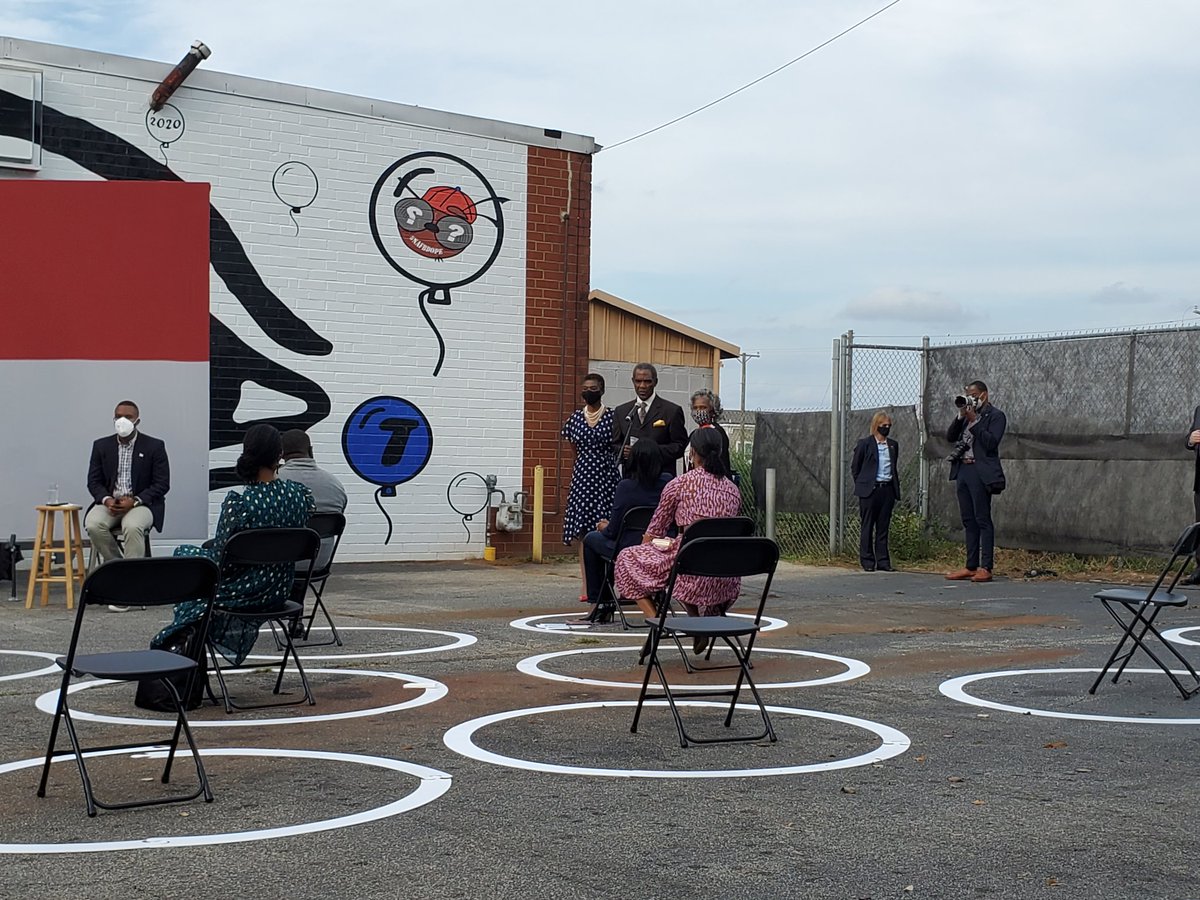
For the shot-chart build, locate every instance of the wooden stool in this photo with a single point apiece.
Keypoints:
(44, 549)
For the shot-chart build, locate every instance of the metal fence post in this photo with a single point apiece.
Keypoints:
(923, 434)
(770, 488)
(835, 443)
(847, 401)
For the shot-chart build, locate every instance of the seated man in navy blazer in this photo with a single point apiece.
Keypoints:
(649, 417)
(128, 475)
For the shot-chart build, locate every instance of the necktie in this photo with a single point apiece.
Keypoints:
(642, 413)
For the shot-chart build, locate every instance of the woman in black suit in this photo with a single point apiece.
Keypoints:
(875, 467)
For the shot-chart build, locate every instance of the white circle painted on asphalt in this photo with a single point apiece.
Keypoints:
(431, 692)
(459, 641)
(854, 669)
(1176, 635)
(530, 623)
(954, 688)
(433, 784)
(460, 739)
(37, 654)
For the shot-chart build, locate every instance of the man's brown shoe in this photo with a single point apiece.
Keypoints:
(981, 575)
(961, 575)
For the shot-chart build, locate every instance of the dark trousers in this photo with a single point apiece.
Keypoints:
(975, 504)
(596, 549)
(1196, 503)
(875, 514)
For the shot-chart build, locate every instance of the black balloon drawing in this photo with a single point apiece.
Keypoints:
(387, 441)
(232, 362)
(430, 228)
(166, 126)
(296, 186)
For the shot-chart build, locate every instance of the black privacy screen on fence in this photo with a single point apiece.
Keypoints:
(1094, 454)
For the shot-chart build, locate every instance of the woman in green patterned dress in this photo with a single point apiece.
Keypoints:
(266, 502)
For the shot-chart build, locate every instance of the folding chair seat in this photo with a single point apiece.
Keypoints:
(141, 582)
(1135, 611)
(713, 557)
(264, 547)
(329, 527)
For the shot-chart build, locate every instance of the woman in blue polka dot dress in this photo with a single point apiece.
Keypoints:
(266, 502)
(595, 476)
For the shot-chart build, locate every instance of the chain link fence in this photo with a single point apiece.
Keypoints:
(1094, 451)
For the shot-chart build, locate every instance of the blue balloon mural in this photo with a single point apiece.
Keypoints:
(387, 441)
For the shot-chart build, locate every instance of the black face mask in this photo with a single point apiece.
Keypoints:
(591, 398)
(885, 429)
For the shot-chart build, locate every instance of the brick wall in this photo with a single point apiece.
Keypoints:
(556, 322)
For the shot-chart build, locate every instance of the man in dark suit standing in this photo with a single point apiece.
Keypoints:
(651, 418)
(128, 476)
(975, 467)
(1193, 444)
(875, 467)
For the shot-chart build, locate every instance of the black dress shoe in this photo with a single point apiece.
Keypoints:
(868, 568)
(884, 569)
(1192, 579)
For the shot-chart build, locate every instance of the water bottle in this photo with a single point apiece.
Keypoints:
(52, 495)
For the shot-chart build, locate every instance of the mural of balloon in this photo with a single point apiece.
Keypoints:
(296, 186)
(440, 225)
(387, 441)
(166, 126)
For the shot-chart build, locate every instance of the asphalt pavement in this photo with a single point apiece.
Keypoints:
(884, 782)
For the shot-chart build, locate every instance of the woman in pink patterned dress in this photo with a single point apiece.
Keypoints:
(703, 492)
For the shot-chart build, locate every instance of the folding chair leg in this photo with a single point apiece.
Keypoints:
(652, 639)
(58, 711)
(83, 775)
(744, 674)
(1138, 641)
(182, 722)
(212, 652)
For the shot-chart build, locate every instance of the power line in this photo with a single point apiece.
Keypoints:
(751, 84)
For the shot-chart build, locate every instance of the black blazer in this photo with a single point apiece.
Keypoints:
(150, 475)
(1196, 449)
(864, 466)
(671, 436)
(988, 433)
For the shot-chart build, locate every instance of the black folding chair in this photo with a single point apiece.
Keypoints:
(329, 527)
(267, 547)
(1143, 607)
(142, 582)
(716, 557)
(635, 522)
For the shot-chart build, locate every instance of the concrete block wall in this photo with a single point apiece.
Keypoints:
(311, 315)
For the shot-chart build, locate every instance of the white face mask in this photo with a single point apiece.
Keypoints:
(124, 427)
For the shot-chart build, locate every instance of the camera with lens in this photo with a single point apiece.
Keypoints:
(966, 401)
(959, 451)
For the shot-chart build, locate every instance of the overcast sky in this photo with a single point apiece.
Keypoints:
(953, 168)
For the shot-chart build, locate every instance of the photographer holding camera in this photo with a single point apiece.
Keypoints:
(975, 465)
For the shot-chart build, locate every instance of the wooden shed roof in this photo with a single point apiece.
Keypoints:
(727, 350)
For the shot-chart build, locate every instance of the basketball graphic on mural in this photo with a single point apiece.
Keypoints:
(387, 441)
(437, 221)
(438, 224)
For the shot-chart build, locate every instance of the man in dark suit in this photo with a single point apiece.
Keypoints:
(975, 467)
(1193, 443)
(651, 418)
(128, 476)
(875, 467)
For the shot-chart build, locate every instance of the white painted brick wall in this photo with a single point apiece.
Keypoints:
(332, 276)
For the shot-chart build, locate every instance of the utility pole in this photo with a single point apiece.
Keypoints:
(742, 425)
